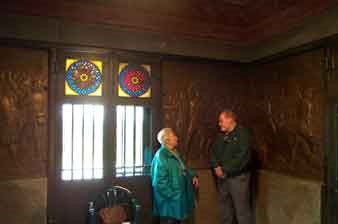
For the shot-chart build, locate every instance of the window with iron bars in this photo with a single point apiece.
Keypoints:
(83, 132)
(133, 152)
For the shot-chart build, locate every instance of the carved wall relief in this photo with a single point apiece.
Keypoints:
(289, 125)
(193, 95)
(23, 113)
(281, 102)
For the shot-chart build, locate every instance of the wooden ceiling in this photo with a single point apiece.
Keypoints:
(239, 22)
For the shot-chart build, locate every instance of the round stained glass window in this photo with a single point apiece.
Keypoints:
(134, 80)
(83, 77)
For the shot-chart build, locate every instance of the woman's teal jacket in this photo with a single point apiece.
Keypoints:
(173, 191)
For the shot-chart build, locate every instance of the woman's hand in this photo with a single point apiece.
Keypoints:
(195, 182)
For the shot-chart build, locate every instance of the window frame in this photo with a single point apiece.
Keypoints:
(147, 112)
(109, 100)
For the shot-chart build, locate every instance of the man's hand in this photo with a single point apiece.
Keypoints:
(195, 182)
(219, 172)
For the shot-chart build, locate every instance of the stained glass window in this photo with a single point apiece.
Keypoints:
(134, 81)
(83, 77)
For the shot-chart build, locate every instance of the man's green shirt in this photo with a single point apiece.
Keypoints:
(232, 151)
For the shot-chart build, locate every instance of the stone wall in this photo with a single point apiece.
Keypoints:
(24, 201)
(206, 207)
(277, 199)
(285, 199)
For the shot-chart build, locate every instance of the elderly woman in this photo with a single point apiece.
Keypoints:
(172, 181)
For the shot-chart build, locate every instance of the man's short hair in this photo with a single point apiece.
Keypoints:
(229, 113)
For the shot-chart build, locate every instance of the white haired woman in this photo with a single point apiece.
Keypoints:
(172, 181)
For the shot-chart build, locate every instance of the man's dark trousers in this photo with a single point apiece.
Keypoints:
(235, 199)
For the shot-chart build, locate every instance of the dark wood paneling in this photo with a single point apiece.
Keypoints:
(269, 18)
(281, 101)
(23, 134)
(218, 19)
(23, 113)
(193, 95)
(239, 22)
(287, 109)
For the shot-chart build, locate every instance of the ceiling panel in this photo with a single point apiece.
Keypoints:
(236, 21)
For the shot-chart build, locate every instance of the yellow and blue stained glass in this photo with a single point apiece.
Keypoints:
(134, 81)
(83, 77)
